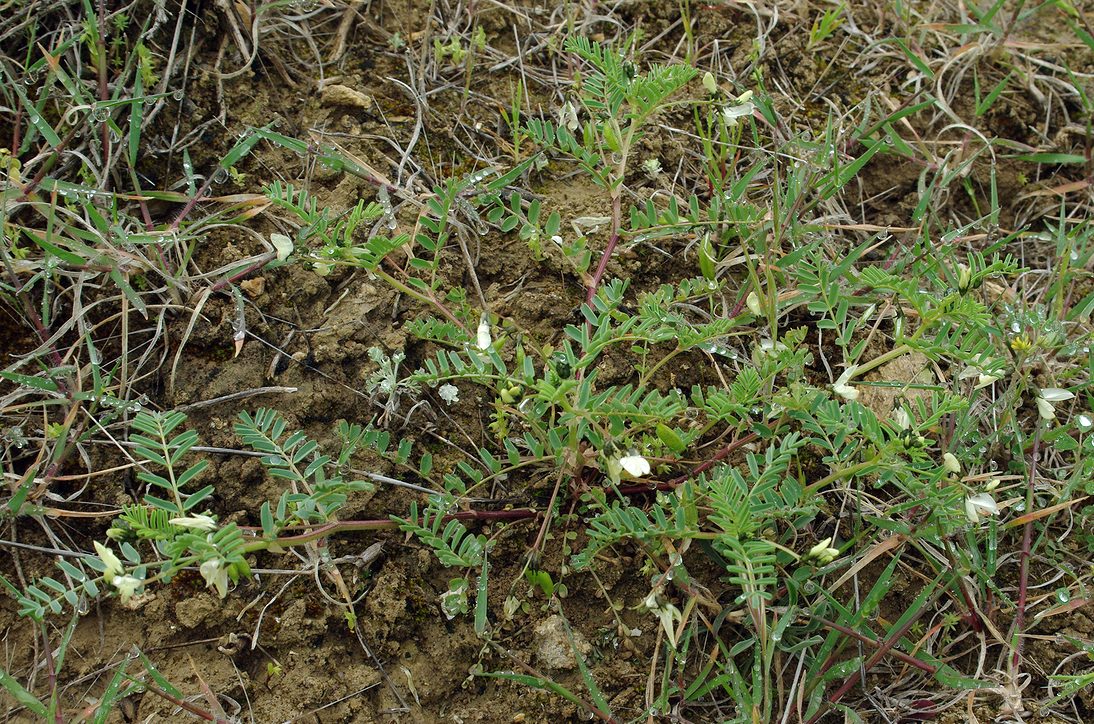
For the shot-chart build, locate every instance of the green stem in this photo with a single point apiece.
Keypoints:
(425, 299)
(846, 472)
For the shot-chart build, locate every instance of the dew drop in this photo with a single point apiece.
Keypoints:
(178, 95)
(1063, 595)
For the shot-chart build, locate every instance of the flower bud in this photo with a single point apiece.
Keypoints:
(964, 278)
(710, 83)
(820, 548)
(1045, 409)
(114, 565)
(752, 301)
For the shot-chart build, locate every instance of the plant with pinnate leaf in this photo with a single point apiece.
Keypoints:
(165, 534)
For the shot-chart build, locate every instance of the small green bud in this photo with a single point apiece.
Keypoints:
(707, 262)
(964, 278)
(611, 137)
(671, 438)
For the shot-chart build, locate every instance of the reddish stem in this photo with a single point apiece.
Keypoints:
(884, 649)
(1023, 557)
(899, 655)
(698, 469)
(613, 241)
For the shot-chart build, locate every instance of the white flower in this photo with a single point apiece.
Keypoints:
(215, 574)
(1055, 394)
(771, 347)
(823, 552)
(901, 418)
(981, 373)
(635, 465)
(951, 464)
(666, 612)
(567, 116)
(842, 388)
(283, 245)
(482, 335)
(1049, 395)
(980, 505)
(991, 485)
(126, 586)
(197, 522)
(819, 549)
(113, 564)
(733, 113)
(983, 380)
(449, 393)
(752, 301)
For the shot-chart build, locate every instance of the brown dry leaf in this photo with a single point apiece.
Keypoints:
(253, 287)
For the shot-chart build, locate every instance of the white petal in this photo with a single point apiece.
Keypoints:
(216, 575)
(635, 465)
(482, 335)
(1045, 409)
(283, 245)
(1055, 394)
(114, 565)
(820, 548)
(951, 463)
(449, 393)
(752, 301)
(969, 372)
(985, 380)
(982, 503)
(847, 375)
(970, 511)
(197, 522)
(127, 586)
(847, 392)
